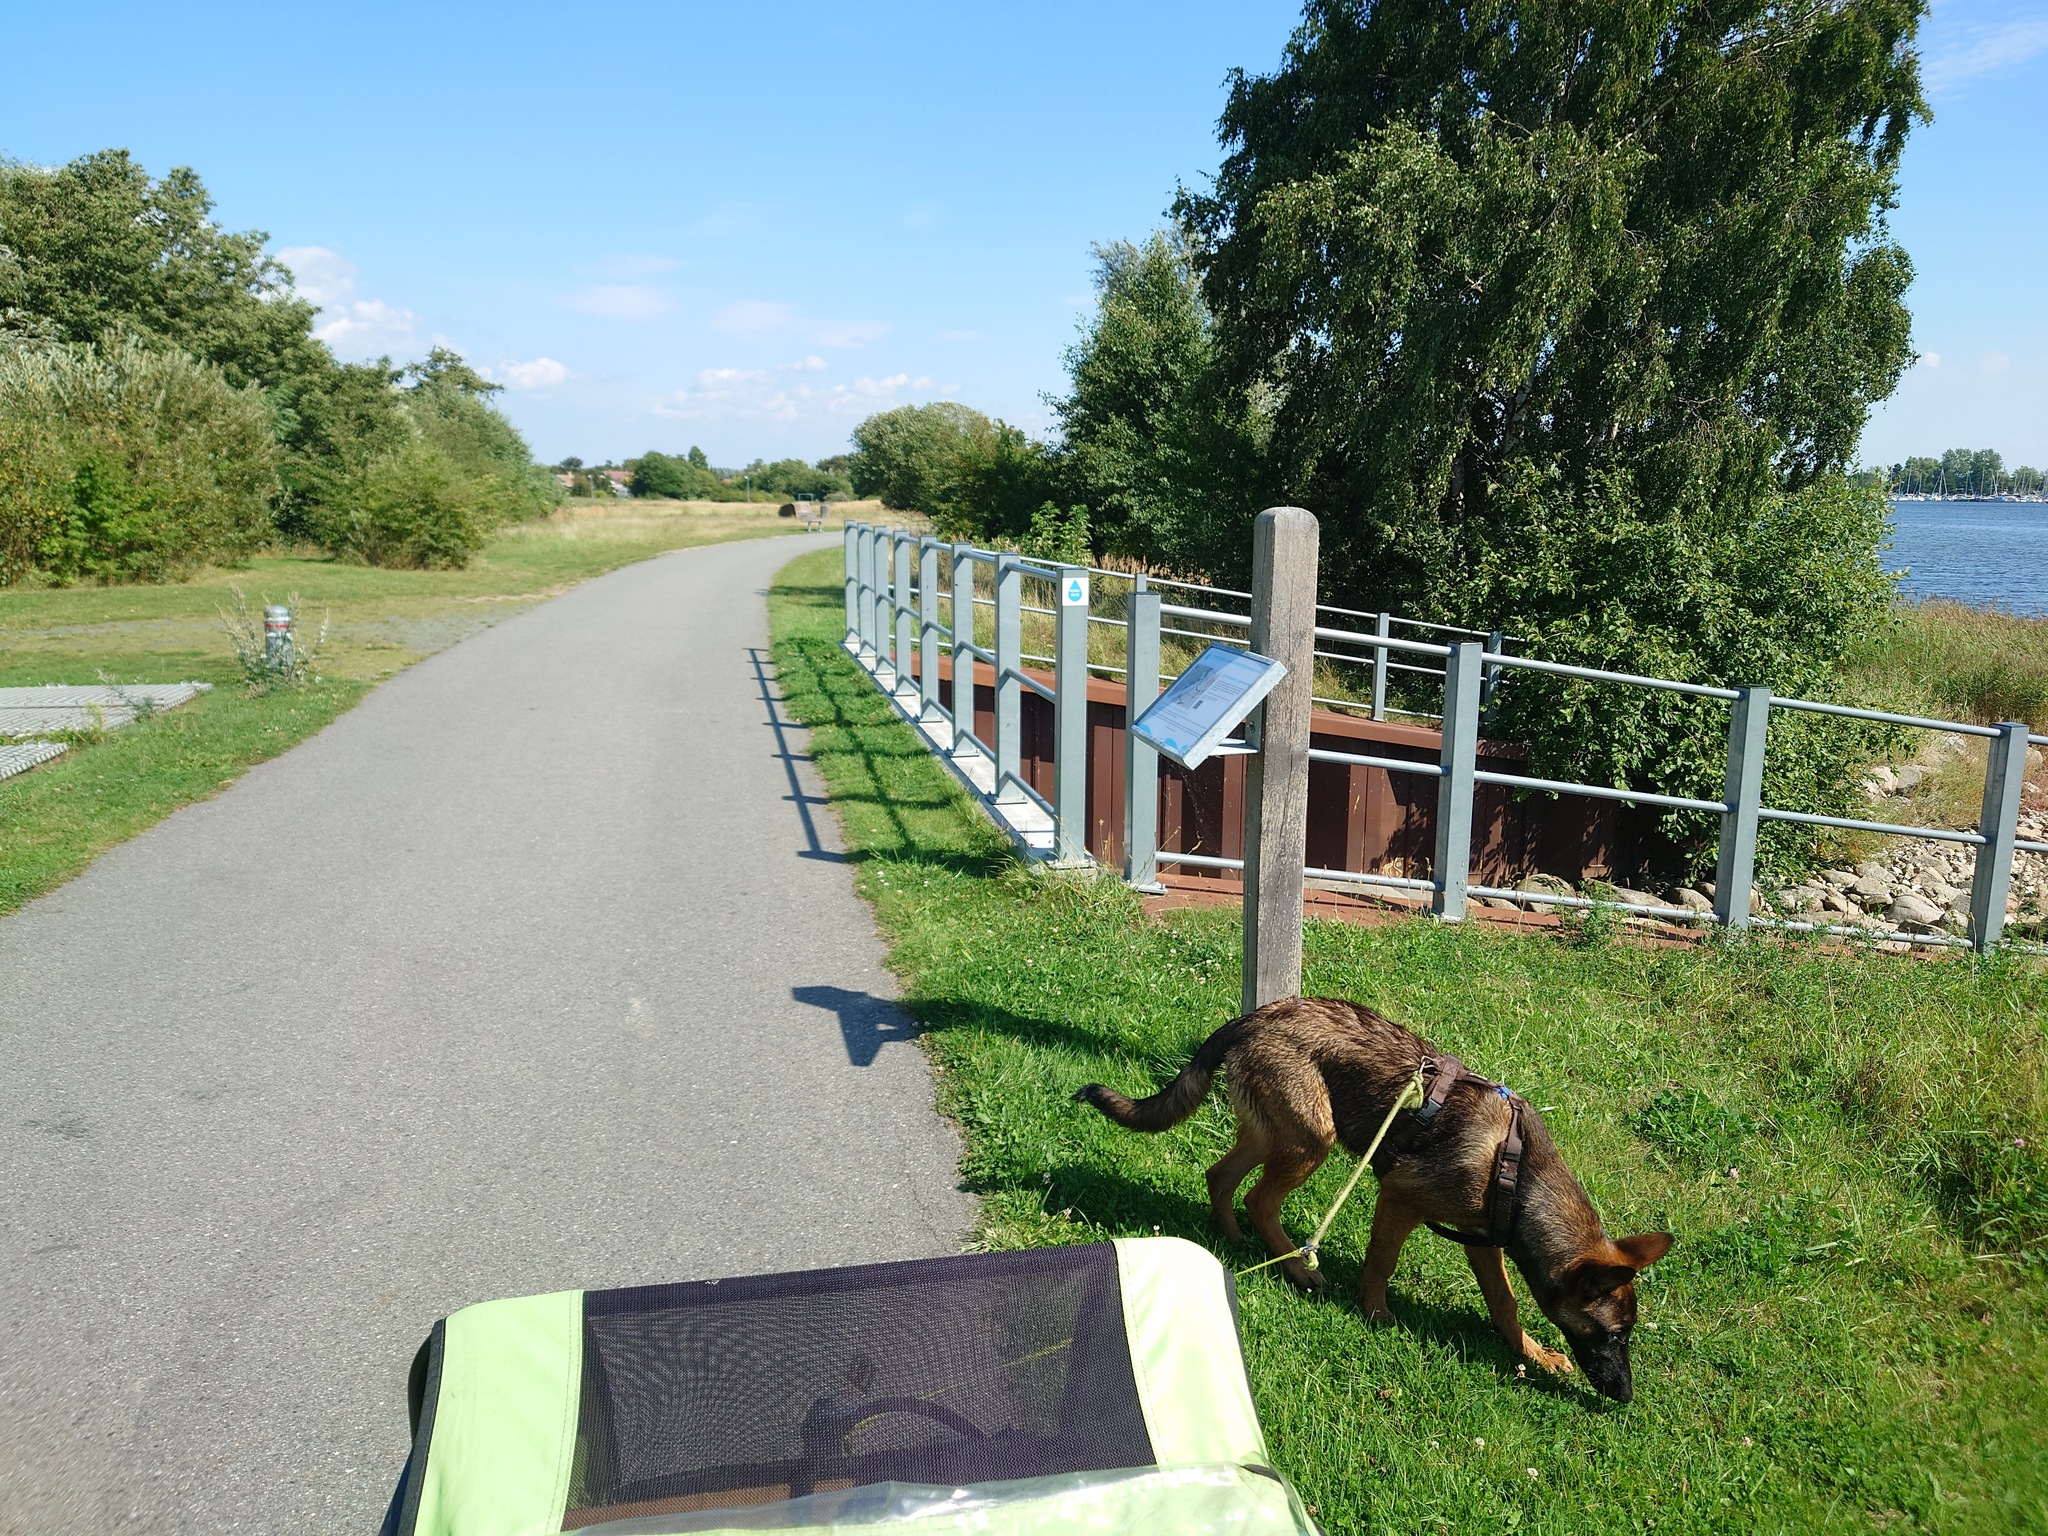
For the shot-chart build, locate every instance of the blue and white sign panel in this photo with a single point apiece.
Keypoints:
(1218, 690)
(1074, 592)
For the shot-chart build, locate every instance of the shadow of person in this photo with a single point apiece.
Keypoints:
(866, 1023)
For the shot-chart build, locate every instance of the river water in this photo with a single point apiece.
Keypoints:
(1986, 553)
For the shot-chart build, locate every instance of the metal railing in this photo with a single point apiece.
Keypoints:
(893, 613)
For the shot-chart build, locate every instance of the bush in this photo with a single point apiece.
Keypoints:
(123, 464)
(414, 507)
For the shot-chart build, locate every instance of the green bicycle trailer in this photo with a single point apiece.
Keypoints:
(1095, 1388)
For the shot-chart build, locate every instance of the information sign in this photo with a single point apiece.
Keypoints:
(1074, 592)
(1218, 690)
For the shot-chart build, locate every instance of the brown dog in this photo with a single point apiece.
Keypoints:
(1312, 1072)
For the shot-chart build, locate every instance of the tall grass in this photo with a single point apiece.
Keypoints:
(1953, 662)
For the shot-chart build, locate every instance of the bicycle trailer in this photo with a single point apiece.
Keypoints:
(1093, 1388)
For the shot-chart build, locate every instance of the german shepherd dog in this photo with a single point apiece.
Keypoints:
(1309, 1073)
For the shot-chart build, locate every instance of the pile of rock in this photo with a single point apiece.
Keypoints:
(1917, 886)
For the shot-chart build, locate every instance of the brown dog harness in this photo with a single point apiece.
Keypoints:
(1503, 1190)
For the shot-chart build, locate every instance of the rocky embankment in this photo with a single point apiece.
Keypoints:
(1914, 885)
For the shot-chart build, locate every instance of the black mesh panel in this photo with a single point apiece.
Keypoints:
(731, 1392)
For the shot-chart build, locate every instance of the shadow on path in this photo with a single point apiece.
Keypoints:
(866, 1022)
(814, 849)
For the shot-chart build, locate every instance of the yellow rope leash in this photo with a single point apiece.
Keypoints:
(1410, 1097)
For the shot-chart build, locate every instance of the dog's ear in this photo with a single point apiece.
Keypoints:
(1644, 1249)
(1591, 1279)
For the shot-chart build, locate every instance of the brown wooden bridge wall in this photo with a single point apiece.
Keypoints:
(1360, 819)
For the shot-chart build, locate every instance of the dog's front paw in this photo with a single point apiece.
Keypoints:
(1380, 1316)
(1548, 1359)
(1308, 1281)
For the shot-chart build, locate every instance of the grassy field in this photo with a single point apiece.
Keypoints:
(56, 819)
(1850, 1336)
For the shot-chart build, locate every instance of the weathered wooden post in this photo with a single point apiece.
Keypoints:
(1284, 551)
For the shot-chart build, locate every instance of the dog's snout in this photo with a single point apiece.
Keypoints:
(1606, 1365)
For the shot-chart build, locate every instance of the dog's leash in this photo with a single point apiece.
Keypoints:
(1410, 1098)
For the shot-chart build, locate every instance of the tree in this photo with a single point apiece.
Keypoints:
(1155, 439)
(96, 249)
(973, 477)
(1571, 313)
(904, 455)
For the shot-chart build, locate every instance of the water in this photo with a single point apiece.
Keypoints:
(1985, 553)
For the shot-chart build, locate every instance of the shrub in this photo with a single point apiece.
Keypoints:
(123, 464)
(414, 507)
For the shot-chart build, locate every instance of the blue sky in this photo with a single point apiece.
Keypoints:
(748, 227)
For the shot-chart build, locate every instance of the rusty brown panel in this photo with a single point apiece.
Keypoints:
(1106, 769)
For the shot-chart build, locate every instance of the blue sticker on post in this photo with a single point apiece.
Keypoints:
(1220, 687)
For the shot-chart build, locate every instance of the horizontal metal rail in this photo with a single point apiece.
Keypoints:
(1199, 860)
(1391, 764)
(1883, 717)
(1358, 877)
(1599, 792)
(1385, 643)
(1597, 675)
(1497, 893)
(1850, 824)
(1207, 615)
(1021, 676)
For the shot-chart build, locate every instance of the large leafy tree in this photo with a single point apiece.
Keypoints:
(1155, 439)
(1572, 312)
(98, 249)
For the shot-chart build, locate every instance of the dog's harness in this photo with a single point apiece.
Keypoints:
(1503, 1191)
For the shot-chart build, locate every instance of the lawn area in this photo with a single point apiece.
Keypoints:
(56, 819)
(1850, 1336)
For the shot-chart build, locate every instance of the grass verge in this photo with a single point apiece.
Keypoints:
(56, 819)
(1850, 1335)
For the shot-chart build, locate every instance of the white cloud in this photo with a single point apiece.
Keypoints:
(1930, 359)
(367, 326)
(804, 365)
(762, 317)
(541, 373)
(756, 394)
(321, 276)
(352, 326)
(618, 301)
(865, 395)
(1984, 50)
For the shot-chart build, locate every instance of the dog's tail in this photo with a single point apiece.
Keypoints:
(1179, 1098)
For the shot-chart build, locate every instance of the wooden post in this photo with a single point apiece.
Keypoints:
(1284, 549)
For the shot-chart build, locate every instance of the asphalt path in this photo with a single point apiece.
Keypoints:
(541, 968)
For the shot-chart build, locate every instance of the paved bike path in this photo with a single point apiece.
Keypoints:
(540, 968)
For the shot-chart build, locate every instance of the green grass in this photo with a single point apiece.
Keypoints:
(54, 820)
(1851, 1334)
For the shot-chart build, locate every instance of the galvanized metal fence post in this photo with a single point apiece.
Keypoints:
(963, 640)
(928, 629)
(1141, 763)
(850, 537)
(906, 616)
(867, 593)
(1283, 626)
(878, 595)
(1070, 718)
(1460, 758)
(1379, 669)
(1742, 791)
(2005, 774)
(1009, 691)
